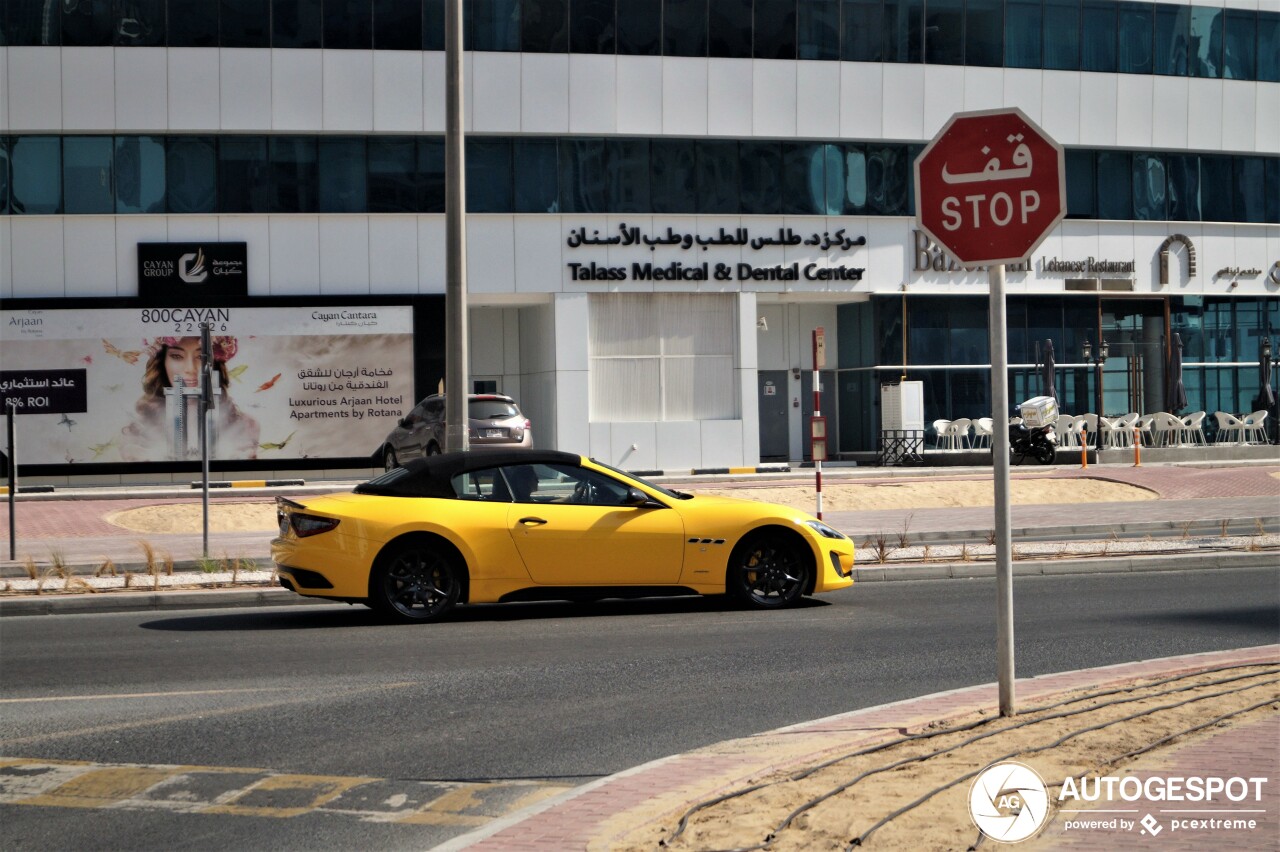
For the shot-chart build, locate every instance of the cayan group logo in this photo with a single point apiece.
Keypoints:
(191, 267)
(1009, 802)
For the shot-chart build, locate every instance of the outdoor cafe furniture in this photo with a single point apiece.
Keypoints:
(1068, 428)
(1192, 430)
(1143, 428)
(1117, 432)
(982, 432)
(1166, 430)
(941, 429)
(1230, 428)
(1255, 430)
(959, 433)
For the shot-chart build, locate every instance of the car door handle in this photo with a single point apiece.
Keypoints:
(533, 522)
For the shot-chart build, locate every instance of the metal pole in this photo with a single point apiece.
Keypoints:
(1098, 391)
(1000, 458)
(206, 410)
(817, 406)
(455, 336)
(11, 428)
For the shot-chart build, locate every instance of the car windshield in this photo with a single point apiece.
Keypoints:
(491, 409)
(678, 495)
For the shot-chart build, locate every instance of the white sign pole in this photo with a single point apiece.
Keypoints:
(1000, 460)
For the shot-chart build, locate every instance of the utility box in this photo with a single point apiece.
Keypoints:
(1039, 411)
(902, 407)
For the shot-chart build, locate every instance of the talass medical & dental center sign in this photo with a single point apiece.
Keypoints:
(290, 382)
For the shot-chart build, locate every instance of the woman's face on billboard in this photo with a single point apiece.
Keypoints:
(183, 361)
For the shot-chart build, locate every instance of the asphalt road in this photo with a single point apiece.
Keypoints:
(535, 696)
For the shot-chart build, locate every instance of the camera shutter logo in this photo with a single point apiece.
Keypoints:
(1009, 802)
(191, 267)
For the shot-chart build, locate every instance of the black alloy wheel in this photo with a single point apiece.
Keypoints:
(389, 460)
(1045, 453)
(415, 582)
(768, 572)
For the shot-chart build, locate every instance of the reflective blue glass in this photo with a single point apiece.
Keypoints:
(628, 176)
(544, 26)
(640, 27)
(904, 30)
(804, 178)
(395, 180)
(1216, 204)
(1240, 61)
(342, 172)
(86, 23)
(1137, 28)
(30, 23)
(495, 25)
(1251, 179)
(673, 177)
(139, 23)
(1098, 21)
(295, 174)
(592, 26)
(1082, 196)
(397, 25)
(855, 179)
(818, 26)
(1062, 46)
(1269, 46)
(433, 24)
(1150, 187)
(984, 33)
(719, 182)
(862, 31)
(1184, 187)
(431, 174)
(296, 24)
(1173, 35)
(243, 175)
(729, 25)
(1115, 185)
(761, 177)
(1022, 33)
(348, 24)
(36, 186)
(684, 27)
(536, 176)
(834, 179)
(191, 174)
(583, 170)
(193, 23)
(4, 175)
(775, 29)
(140, 174)
(88, 180)
(244, 23)
(887, 181)
(944, 32)
(489, 175)
(1271, 193)
(1206, 41)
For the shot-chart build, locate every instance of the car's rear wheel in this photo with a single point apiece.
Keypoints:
(389, 460)
(417, 581)
(767, 571)
(433, 449)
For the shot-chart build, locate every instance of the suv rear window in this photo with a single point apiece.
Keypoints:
(491, 409)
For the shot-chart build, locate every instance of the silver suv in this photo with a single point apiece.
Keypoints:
(494, 421)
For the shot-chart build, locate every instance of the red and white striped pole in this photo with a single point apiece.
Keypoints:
(818, 452)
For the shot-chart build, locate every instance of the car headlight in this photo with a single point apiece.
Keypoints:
(823, 530)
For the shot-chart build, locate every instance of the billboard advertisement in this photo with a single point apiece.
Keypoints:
(287, 382)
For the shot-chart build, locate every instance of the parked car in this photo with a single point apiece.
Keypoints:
(523, 525)
(495, 421)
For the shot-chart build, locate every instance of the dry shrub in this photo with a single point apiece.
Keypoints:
(107, 568)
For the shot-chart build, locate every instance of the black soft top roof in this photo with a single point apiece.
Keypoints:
(430, 477)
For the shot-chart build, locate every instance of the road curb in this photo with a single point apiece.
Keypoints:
(107, 602)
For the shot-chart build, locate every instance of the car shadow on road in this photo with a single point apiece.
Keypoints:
(338, 616)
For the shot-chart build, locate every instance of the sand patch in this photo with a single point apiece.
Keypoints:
(188, 518)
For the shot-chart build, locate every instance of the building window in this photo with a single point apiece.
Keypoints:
(243, 175)
(663, 357)
(719, 181)
(1062, 48)
(1239, 54)
(1137, 25)
(86, 23)
(4, 174)
(640, 27)
(244, 23)
(1173, 35)
(37, 175)
(296, 24)
(1022, 27)
(140, 174)
(342, 170)
(140, 23)
(944, 32)
(489, 177)
(495, 25)
(537, 174)
(684, 27)
(984, 33)
(1206, 42)
(761, 177)
(628, 177)
(729, 26)
(1098, 36)
(592, 26)
(673, 176)
(1269, 46)
(191, 169)
(88, 180)
(818, 27)
(583, 170)
(397, 25)
(193, 23)
(294, 172)
(544, 26)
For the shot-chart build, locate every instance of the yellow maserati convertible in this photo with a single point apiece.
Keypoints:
(512, 525)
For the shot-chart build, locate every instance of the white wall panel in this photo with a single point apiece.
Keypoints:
(245, 95)
(861, 100)
(1098, 109)
(295, 255)
(1134, 110)
(943, 95)
(255, 233)
(1267, 118)
(491, 258)
(89, 250)
(818, 99)
(1169, 112)
(640, 93)
(593, 94)
(1024, 88)
(885, 256)
(194, 229)
(538, 242)
(433, 86)
(1061, 119)
(1204, 113)
(393, 254)
(773, 99)
(684, 96)
(1251, 252)
(721, 443)
(749, 389)
(397, 91)
(983, 88)
(729, 90)
(35, 89)
(4, 89)
(571, 423)
(511, 346)
(1079, 240)
(599, 440)
(195, 89)
(6, 257)
(142, 89)
(544, 93)
(678, 446)
(129, 231)
(642, 436)
(1237, 121)
(38, 256)
(344, 254)
(348, 90)
(88, 88)
(904, 102)
(485, 341)
(431, 254)
(572, 321)
(495, 89)
(297, 90)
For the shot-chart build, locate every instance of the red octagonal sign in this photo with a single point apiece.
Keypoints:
(990, 187)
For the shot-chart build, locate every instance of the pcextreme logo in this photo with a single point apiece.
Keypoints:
(191, 267)
(1009, 802)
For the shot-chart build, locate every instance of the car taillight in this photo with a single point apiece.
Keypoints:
(305, 525)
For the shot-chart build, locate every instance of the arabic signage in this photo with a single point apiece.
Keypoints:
(292, 383)
(695, 270)
(43, 391)
(175, 272)
(990, 186)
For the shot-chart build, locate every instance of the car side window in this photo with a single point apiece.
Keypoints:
(541, 483)
(487, 485)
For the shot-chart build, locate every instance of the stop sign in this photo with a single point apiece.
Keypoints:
(990, 186)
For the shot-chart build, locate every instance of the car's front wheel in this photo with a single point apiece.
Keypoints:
(416, 581)
(767, 571)
(389, 460)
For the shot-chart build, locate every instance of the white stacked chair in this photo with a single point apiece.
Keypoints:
(1255, 430)
(960, 433)
(1230, 428)
(1192, 429)
(941, 430)
(982, 432)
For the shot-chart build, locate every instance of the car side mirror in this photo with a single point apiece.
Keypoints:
(639, 500)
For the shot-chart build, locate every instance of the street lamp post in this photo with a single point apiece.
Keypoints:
(1266, 359)
(1098, 361)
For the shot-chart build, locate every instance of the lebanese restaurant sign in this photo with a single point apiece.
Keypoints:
(692, 269)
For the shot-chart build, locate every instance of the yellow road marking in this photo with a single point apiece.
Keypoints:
(140, 695)
(325, 789)
(101, 787)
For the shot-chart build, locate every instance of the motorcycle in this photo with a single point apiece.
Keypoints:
(1039, 443)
